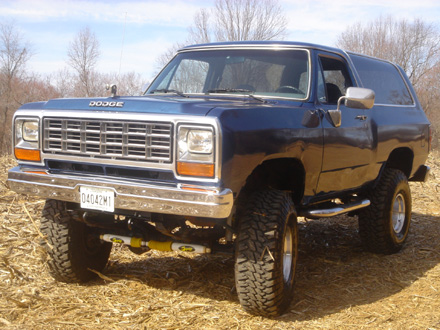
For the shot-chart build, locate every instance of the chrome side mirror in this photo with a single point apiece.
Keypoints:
(358, 98)
(355, 97)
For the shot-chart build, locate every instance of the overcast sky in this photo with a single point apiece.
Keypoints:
(151, 26)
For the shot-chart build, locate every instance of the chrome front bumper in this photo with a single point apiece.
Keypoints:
(197, 201)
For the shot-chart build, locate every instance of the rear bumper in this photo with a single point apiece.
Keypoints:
(176, 199)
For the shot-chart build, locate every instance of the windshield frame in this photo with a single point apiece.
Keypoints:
(273, 48)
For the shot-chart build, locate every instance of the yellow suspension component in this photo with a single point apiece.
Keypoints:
(160, 246)
(137, 242)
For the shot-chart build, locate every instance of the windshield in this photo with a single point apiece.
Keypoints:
(263, 72)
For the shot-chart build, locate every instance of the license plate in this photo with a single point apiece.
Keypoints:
(94, 198)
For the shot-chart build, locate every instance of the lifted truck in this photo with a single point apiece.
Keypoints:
(228, 145)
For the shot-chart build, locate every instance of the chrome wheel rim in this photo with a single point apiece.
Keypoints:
(398, 214)
(288, 255)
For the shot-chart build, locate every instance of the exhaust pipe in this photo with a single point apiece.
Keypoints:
(137, 242)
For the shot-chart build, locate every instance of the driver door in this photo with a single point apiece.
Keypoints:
(348, 149)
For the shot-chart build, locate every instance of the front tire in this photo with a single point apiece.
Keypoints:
(72, 247)
(266, 253)
(384, 225)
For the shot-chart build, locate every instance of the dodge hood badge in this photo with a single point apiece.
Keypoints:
(110, 104)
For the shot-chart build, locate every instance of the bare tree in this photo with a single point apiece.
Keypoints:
(35, 88)
(64, 82)
(200, 32)
(83, 54)
(14, 54)
(428, 92)
(130, 83)
(237, 20)
(415, 45)
(234, 20)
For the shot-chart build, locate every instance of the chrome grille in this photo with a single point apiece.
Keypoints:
(147, 141)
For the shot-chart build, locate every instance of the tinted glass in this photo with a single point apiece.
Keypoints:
(283, 73)
(384, 79)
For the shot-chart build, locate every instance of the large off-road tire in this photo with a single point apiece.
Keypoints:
(384, 225)
(266, 253)
(72, 247)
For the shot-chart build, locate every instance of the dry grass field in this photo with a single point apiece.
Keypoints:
(339, 285)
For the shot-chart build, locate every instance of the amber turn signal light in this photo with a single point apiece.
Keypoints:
(27, 154)
(195, 169)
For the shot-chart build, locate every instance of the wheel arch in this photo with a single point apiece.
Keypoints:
(287, 174)
(401, 159)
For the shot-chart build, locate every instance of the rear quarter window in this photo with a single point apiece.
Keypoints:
(384, 79)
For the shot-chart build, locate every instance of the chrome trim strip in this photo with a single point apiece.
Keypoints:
(31, 145)
(409, 106)
(271, 45)
(253, 47)
(148, 197)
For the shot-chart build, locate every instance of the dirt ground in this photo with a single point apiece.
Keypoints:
(339, 285)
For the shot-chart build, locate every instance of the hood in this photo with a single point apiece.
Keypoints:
(144, 104)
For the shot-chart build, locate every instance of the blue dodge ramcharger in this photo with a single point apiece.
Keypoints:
(224, 150)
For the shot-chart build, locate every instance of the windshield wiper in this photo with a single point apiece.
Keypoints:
(164, 90)
(229, 90)
(248, 92)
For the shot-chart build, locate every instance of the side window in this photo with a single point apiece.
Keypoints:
(384, 79)
(336, 79)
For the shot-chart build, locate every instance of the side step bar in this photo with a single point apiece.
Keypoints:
(337, 210)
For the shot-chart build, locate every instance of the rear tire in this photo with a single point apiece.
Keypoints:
(384, 225)
(266, 253)
(72, 247)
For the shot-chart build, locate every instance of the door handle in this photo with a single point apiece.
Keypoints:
(361, 117)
